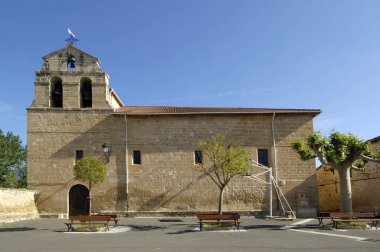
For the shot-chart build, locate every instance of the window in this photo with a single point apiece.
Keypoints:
(262, 157)
(56, 92)
(78, 155)
(198, 157)
(85, 93)
(136, 157)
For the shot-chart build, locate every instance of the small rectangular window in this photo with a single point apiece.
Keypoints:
(262, 157)
(136, 157)
(198, 157)
(78, 154)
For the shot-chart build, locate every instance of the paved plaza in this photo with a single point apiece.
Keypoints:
(182, 234)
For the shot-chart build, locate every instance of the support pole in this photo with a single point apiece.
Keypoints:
(270, 194)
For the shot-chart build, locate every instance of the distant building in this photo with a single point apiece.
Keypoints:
(152, 148)
(365, 187)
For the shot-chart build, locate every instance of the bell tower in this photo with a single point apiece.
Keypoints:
(72, 117)
(72, 79)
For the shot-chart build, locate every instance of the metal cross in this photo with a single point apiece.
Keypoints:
(71, 40)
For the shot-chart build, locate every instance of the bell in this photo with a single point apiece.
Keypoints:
(71, 62)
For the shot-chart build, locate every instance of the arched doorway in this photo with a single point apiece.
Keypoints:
(78, 200)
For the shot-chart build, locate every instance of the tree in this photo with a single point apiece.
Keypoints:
(12, 161)
(340, 152)
(222, 161)
(91, 171)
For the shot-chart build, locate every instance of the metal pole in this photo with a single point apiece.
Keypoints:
(270, 194)
(274, 147)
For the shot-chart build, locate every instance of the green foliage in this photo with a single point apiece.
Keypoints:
(12, 161)
(352, 224)
(303, 150)
(90, 170)
(338, 150)
(221, 160)
(344, 148)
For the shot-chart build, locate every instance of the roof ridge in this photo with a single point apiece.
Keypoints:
(211, 107)
(150, 110)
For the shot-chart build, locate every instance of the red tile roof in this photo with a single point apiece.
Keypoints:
(157, 110)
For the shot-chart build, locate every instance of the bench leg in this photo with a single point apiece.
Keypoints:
(374, 224)
(200, 226)
(69, 227)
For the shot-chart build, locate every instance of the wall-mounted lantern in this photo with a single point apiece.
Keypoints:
(106, 152)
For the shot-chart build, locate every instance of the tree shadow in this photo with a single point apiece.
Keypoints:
(163, 198)
(278, 227)
(170, 220)
(268, 227)
(17, 229)
(145, 227)
(187, 231)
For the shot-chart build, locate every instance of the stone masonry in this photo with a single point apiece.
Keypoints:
(166, 180)
(17, 204)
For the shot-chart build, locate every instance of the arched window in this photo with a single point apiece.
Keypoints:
(71, 63)
(85, 93)
(56, 92)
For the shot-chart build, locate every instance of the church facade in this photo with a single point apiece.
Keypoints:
(152, 149)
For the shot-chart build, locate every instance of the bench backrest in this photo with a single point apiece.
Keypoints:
(324, 214)
(352, 215)
(218, 216)
(113, 216)
(90, 218)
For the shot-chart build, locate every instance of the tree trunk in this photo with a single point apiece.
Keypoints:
(345, 191)
(220, 200)
(89, 200)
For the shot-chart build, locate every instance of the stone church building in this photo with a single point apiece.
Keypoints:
(152, 149)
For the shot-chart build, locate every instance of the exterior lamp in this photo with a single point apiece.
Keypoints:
(106, 152)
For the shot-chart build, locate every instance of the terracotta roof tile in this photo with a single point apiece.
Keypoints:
(156, 110)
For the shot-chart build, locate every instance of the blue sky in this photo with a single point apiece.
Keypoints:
(237, 53)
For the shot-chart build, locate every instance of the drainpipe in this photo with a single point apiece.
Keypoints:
(126, 162)
(274, 148)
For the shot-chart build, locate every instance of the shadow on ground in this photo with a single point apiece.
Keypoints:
(145, 227)
(16, 229)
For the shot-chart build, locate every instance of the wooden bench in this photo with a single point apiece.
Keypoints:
(114, 217)
(354, 217)
(86, 219)
(212, 218)
(321, 216)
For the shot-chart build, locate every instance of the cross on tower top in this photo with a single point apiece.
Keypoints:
(71, 39)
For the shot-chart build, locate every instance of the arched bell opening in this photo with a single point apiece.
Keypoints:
(85, 93)
(56, 93)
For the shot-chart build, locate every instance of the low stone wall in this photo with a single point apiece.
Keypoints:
(17, 204)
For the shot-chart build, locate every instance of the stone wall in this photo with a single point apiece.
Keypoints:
(167, 181)
(53, 137)
(17, 204)
(365, 187)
